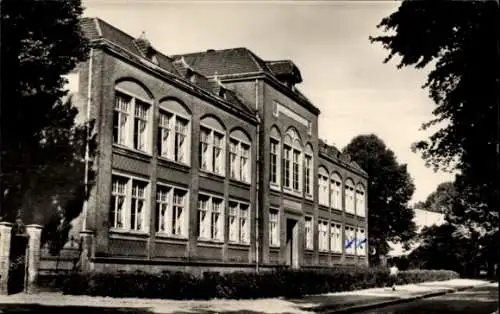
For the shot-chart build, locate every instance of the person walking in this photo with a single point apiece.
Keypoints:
(393, 276)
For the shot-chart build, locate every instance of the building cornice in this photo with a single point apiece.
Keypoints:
(181, 83)
(273, 82)
(342, 164)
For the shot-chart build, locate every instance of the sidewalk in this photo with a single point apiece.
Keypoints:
(331, 302)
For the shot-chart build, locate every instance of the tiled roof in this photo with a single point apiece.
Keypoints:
(282, 68)
(224, 62)
(334, 153)
(95, 28)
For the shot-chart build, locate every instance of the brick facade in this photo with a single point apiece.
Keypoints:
(112, 63)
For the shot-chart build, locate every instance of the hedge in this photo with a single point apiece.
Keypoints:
(239, 285)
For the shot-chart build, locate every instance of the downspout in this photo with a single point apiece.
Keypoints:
(257, 199)
(87, 148)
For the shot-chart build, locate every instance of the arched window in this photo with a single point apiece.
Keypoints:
(323, 186)
(308, 170)
(275, 157)
(292, 158)
(174, 136)
(212, 146)
(239, 156)
(360, 201)
(349, 196)
(336, 191)
(132, 117)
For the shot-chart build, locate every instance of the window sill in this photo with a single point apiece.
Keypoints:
(239, 244)
(174, 164)
(125, 150)
(118, 233)
(212, 175)
(274, 247)
(289, 191)
(240, 183)
(310, 250)
(275, 186)
(209, 242)
(309, 197)
(167, 236)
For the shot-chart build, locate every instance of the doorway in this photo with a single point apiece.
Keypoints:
(292, 247)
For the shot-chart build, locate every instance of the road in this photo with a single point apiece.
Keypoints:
(478, 301)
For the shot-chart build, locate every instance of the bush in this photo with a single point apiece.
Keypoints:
(241, 285)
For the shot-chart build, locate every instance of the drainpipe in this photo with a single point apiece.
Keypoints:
(87, 157)
(257, 199)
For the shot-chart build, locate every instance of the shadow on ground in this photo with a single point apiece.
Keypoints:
(36, 308)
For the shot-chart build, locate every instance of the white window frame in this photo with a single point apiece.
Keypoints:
(349, 197)
(274, 227)
(277, 141)
(323, 190)
(335, 237)
(238, 215)
(336, 192)
(360, 201)
(175, 130)
(207, 229)
(308, 175)
(360, 235)
(211, 164)
(126, 210)
(323, 235)
(309, 232)
(350, 237)
(179, 228)
(287, 166)
(237, 171)
(127, 134)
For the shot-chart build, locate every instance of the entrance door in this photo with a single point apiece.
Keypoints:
(292, 253)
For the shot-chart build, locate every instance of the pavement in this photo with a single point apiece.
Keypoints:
(339, 302)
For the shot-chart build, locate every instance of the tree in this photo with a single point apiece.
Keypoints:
(461, 41)
(441, 200)
(389, 190)
(42, 149)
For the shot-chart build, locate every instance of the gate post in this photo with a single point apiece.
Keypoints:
(5, 236)
(34, 249)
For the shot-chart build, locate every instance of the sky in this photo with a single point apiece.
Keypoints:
(344, 74)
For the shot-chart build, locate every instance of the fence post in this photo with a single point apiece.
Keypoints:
(5, 236)
(34, 249)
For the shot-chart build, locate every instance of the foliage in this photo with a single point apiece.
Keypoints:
(444, 247)
(42, 148)
(441, 200)
(389, 191)
(240, 285)
(461, 41)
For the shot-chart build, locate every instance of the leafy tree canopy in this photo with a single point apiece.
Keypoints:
(42, 148)
(389, 191)
(460, 40)
(441, 200)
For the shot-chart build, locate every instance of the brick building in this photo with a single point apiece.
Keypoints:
(209, 160)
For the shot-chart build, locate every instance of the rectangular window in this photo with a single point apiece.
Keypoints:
(274, 161)
(218, 149)
(120, 118)
(140, 125)
(137, 206)
(210, 218)
(323, 190)
(349, 240)
(296, 165)
(162, 211)
(309, 232)
(274, 228)
(244, 163)
(275, 108)
(361, 242)
(164, 135)
(204, 148)
(118, 197)
(323, 235)
(338, 238)
(308, 175)
(178, 213)
(309, 127)
(180, 145)
(233, 158)
(239, 222)
(286, 163)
